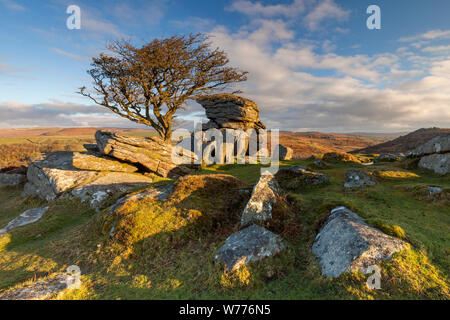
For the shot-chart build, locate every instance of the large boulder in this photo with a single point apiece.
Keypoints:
(250, 244)
(264, 195)
(439, 163)
(27, 217)
(347, 243)
(150, 153)
(230, 111)
(299, 177)
(93, 162)
(283, 153)
(11, 179)
(440, 144)
(357, 178)
(55, 174)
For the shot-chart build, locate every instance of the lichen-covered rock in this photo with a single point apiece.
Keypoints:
(347, 243)
(439, 163)
(13, 179)
(39, 290)
(160, 193)
(264, 195)
(440, 144)
(230, 111)
(298, 177)
(92, 162)
(253, 243)
(340, 157)
(356, 178)
(54, 175)
(152, 153)
(27, 217)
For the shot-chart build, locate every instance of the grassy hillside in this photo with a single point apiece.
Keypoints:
(166, 251)
(405, 143)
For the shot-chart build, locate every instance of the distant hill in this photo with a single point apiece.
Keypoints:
(57, 131)
(404, 143)
(306, 144)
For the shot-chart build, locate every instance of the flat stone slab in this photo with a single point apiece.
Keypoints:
(347, 243)
(264, 195)
(85, 161)
(106, 185)
(40, 290)
(27, 217)
(356, 179)
(253, 243)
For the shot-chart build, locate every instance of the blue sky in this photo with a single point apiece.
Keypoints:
(314, 65)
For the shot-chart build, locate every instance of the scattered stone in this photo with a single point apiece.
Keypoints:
(356, 178)
(298, 177)
(387, 157)
(92, 162)
(320, 164)
(251, 244)
(347, 243)
(40, 290)
(230, 111)
(264, 195)
(13, 179)
(434, 190)
(151, 153)
(27, 217)
(439, 163)
(284, 153)
(340, 157)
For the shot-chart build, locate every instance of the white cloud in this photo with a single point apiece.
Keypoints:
(258, 9)
(429, 35)
(68, 54)
(12, 5)
(357, 92)
(434, 49)
(327, 9)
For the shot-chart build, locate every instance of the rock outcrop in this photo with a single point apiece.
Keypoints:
(253, 243)
(152, 153)
(29, 216)
(356, 179)
(39, 290)
(91, 162)
(228, 111)
(264, 195)
(11, 179)
(347, 243)
(299, 177)
(56, 175)
(434, 155)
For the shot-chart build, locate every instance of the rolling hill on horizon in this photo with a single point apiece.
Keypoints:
(405, 143)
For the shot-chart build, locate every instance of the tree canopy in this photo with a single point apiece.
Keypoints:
(149, 84)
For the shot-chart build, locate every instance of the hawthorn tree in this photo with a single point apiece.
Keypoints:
(148, 85)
